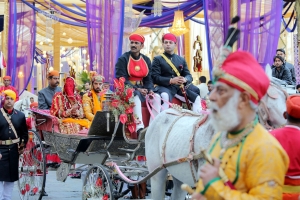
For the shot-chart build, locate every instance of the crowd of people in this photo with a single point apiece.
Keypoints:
(258, 164)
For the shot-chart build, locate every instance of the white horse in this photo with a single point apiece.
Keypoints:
(169, 138)
(23, 105)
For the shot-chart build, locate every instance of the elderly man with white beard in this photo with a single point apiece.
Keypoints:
(253, 161)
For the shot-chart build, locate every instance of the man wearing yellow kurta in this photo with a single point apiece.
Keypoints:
(92, 100)
(252, 159)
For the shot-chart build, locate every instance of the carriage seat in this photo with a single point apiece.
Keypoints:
(146, 114)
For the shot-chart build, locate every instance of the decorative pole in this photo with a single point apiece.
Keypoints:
(5, 35)
(297, 43)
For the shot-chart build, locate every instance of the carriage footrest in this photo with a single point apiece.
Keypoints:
(127, 150)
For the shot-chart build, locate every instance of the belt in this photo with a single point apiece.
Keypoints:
(291, 189)
(136, 82)
(9, 142)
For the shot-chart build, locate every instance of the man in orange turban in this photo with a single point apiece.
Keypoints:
(7, 86)
(289, 138)
(45, 95)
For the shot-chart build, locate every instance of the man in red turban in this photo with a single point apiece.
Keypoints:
(7, 86)
(252, 159)
(135, 67)
(170, 72)
(289, 138)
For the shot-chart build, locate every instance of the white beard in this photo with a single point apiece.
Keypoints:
(227, 117)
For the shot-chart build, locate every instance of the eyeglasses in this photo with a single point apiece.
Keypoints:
(55, 78)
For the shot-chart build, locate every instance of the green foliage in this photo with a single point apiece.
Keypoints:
(81, 79)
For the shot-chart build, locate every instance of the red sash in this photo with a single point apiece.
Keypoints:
(137, 69)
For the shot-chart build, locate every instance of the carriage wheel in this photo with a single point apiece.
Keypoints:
(32, 169)
(97, 184)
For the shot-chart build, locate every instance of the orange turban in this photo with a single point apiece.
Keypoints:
(10, 93)
(293, 106)
(137, 37)
(5, 78)
(53, 73)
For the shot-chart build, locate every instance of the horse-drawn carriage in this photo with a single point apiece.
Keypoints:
(107, 151)
(103, 143)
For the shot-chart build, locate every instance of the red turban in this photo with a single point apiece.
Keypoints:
(293, 106)
(169, 36)
(137, 37)
(240, 70)
(7, 78)
(34, 105)
(53, 73)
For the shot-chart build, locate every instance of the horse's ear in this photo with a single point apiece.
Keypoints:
(268, 71)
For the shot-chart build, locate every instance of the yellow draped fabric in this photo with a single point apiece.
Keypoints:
(256, 166)
(91, 104)
(82, 122)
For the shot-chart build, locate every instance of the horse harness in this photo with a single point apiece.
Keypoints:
(191, 158)
(263, 111)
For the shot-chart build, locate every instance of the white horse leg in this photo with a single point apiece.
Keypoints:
(158, 185)
(178, 193)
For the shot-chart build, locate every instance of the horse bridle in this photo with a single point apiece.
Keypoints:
(263, 111)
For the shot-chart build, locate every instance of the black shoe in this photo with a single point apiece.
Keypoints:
(44, 194)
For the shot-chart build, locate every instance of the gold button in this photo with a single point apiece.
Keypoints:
(137, 68)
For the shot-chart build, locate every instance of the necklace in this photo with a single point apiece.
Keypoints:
(10, 115)
(226, 142)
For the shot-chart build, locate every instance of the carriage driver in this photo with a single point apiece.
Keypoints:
(136, 69)
(10, 136)
(252, 159)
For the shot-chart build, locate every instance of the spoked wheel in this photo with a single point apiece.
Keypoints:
(97, 184)
(32, 169)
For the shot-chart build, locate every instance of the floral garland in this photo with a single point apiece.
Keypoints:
(122, 103)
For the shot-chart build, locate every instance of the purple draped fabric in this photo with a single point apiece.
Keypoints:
(104, 25)
(259, 25)
(21, 43)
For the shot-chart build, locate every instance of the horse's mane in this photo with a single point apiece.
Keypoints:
(277, 81)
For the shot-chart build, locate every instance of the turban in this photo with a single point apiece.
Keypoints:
(10, 93)
(241, 71)
(169, 36)
(293, 106)
(34, 105)
(96, 77)
(7, 78)
(53, 73)
(137, 37)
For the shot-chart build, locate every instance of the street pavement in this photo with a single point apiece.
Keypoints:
(70, 189)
